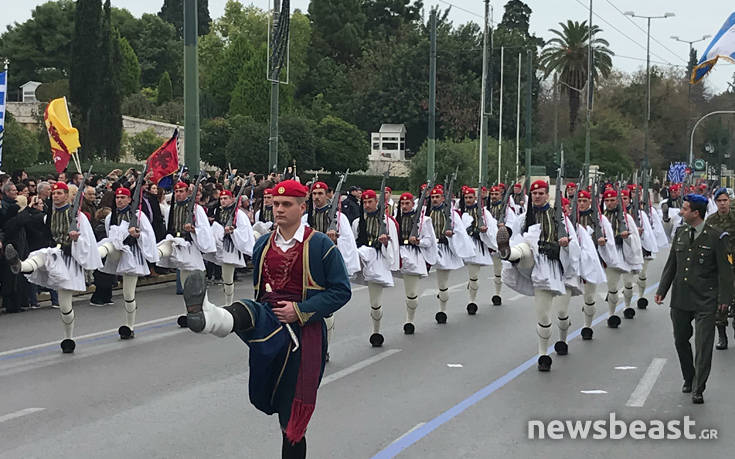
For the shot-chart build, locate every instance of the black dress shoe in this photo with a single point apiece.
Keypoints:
(697, 399)
(687, 387)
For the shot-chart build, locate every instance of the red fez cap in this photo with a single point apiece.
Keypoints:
(369, 194)
(268, 191)
(437, 190)
(610, 194)
(538, 184)
(59, 186)
(518, 185)
(702, 186)
(225, 193)
(631, 186)
(388, 189)
(406, 196)
(319, 186)
(495, 189)
(290, 188)
(501, 185)
(468, 190)
(423, 186)
(584, 194)
(564, 201)
(484, 188)
(122, 191)
(609, 186)
(625, 193)
(571, 185)
(180, 185)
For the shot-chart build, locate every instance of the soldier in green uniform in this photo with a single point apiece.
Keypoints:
(702, 279)
(724, 220)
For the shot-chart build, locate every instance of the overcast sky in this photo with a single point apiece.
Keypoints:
(692, 21)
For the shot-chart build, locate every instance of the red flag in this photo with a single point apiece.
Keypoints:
(61, 159)
(165, 160)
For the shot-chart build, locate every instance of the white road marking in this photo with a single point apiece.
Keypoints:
(594, 391)
(412, 429)
(357, 289)
(455, 365)
(626, 368)
(90, 335)
(358, 366)
(645, 385)
(19, 414)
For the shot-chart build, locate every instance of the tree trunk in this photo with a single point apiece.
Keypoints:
(573, 110)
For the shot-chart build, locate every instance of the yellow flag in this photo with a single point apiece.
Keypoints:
(64, 138)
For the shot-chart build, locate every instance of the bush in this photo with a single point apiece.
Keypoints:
(145, 143)
(165, 89)
(20, 145)
(138, 106)
(49, 91)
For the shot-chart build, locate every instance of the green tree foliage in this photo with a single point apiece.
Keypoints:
(85, 57)
(144, 143)
(53, 90)
(20, 146)
(341, 145)
(215, 133)
(159, 50)
(338, 28)
(386, 17)
(129, 68)
(172, 12)
(248, 144)
(165, 91)
(300, 135)
(566, 54)
(40, 48)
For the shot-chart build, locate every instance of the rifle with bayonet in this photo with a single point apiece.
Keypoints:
(231, 218)
(334, 206)
(597, 230)
(574, 215)
(381, 205)
(448, 203)
(190, 205)
(561, 227)
(77, 203)
(135, 204)
(635, 206)
(504, 205)
(622, 223)
(418, 214)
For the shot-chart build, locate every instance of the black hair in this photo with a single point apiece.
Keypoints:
(700, 207)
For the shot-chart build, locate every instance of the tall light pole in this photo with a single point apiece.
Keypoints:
(648, 77)
(587, 139)
(191, 88)
(482, 170)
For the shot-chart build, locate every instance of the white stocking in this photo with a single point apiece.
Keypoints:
(628, 288)
(33, 263)
(589, 308)
(613, 279)
(375, 291)
(442, 280)
(542, 301)
(498, 271)
(67, 312)
(228, 283)
(562, 314)
(129, 284)
(411, 285)
(472, 286)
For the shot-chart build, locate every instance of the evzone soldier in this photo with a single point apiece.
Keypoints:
(299, 279)
(537, 264)
(186, 241)
(649, 242)
(512, 221)
(342, 235)
(481, 227)
(518, 199)
(591, 269)
(625, 260)
(129, 247)
(264, 217)
(723, 220)
(670, 210)
(418, 248)
(61, 265)
(234, 240)
(379, 255)
(453, 244)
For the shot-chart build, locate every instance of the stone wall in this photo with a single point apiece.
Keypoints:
(26, 113)
(134, 126)
(398, 168)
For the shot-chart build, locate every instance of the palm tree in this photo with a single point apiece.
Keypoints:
(566, 54)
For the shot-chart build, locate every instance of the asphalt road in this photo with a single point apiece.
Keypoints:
(467, 389)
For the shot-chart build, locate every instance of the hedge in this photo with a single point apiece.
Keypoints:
(363, 181)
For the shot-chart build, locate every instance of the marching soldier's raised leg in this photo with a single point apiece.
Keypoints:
(562, 319)
(375, 292)
(641, 281)
(589, 310)
(497, 280)
(127, 331)
(628, 312)
(442, 280)
(411, 285)
(613, 280)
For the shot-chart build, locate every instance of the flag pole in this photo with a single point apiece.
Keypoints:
(74, 154)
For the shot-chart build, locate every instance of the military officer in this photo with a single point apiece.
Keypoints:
(723, 220)
(702, 278)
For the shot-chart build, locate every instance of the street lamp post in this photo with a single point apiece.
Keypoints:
(648, 78)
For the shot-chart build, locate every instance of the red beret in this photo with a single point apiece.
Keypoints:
(495, 189)
(423, 186)
(625, 193)
(319, 186)
(702, 186)
(268, 191)
(225, 193)
(484, 188)
(437, 190)
(369, 194)
(631, 186)
(538, 184)
(501, 185)
(122, 191)
(180, 185)
(518, 185)
(609, 186)
(290, 188)
(610, 194)
(388, 189)
(571, 185)
(584, 194)
(59, 186)
(406, 196)
(564, 201)
(468, 190)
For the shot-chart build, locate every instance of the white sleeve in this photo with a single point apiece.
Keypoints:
(84, 250)
(243, 236)
(202, 236)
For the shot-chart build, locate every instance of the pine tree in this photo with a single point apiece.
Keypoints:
(172, 12)
(165, 89)
(129, 68)
(84, 75)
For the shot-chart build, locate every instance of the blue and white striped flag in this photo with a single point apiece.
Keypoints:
(3, 91)
(721, 46)
(677, 172)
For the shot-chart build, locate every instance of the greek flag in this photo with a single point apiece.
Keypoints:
(3, 91)
(721, 46)
(677, 172)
